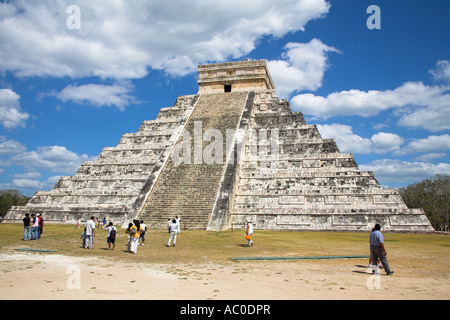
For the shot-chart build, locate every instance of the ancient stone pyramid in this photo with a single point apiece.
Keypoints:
(232, 152)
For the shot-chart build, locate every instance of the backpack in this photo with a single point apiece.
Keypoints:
(113, 232)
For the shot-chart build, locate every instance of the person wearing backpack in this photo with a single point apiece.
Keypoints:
(111, 238)
(135, 233)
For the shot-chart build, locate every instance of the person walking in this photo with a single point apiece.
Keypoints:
(111, 237)
(26, 227)
(173, 228)
(89, 233)
(249, 233)
(370, 258)
(378, 250)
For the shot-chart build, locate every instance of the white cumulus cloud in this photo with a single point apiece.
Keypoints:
(442, 71)
(11, 115)
(302, 67)
(52, 158)
(348, 141)
(417, 105)
(123, 39)
(429, 144)
(392, 170)
(98, 94)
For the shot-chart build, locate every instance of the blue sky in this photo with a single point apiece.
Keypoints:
(68, 90)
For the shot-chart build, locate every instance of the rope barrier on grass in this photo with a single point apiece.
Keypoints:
(300, 258)
(35, 250)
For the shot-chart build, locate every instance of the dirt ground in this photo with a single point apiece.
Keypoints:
(26, 276)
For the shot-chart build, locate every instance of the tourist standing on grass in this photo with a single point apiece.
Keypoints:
(41, 224)
(34, 227)
(173, 229)
(90, 233)
(135, 233)
(377, 249)
(111, 237)
(249, 233)
(26, 227)
(144, 231)
(130, 225)
(83, 237)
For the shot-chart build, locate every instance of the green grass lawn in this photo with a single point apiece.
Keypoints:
(199, 246)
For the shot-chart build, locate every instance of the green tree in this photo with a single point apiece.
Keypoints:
(9, 198)
(433, 195)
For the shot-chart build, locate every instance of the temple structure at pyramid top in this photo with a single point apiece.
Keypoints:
(230, 153)
(234, 76)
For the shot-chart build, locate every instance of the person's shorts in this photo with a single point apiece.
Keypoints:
(109, 240)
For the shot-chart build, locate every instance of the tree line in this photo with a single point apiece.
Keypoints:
(9, 198)
(433, 195)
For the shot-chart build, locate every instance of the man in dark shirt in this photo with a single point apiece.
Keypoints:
(26, 227)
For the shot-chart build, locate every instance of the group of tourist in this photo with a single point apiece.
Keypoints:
(33, 226)
(136, 233)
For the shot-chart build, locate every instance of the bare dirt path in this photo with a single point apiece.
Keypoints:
(27, 276)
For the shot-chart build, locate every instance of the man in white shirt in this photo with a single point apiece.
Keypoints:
(173, 232)
(90, 233)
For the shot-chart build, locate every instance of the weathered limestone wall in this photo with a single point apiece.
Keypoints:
(314, 186)
(116, 184)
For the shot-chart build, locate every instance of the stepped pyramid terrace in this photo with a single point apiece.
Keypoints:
(230, 153)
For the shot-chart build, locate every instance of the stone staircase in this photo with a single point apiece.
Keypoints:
(189, 190)
(113, 185)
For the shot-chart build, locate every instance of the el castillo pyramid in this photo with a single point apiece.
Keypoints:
(230, 153)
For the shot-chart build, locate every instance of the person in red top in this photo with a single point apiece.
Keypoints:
(41, 224)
